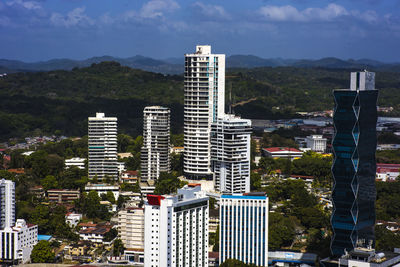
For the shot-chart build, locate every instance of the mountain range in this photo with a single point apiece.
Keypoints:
(175, 65)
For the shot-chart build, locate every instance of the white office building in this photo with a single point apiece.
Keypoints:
(102, 147)
(156, 142)
(230, 154)
(176, 229)
(7, 204)
(243, 233)
(204, 100)
(316, 143)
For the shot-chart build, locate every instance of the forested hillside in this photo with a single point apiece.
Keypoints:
(44, 102)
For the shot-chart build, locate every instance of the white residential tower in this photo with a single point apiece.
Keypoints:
(102, 147)
(230, 154)
(7, 204)
(156, 142)
(204, 102)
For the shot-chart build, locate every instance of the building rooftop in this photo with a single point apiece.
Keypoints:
(281, 149)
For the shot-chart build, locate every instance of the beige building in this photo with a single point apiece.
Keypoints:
(131, 232)
(131, 227)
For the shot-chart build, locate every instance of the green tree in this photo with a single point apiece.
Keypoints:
(280, 231)
(385, 239)
(255, 181)
(38, 163)
(90, 205)
(41, 217)
(177, 163)
(167, 183)
(110, 235)
(177, 139)
(42, 253)
(110, 197)
(118, 247)
(120, 202)
(49, 182)
(55, 163)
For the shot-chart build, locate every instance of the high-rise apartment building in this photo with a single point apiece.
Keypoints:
(176, 229)
(156, 142)
(243, 233)
(204, 102)
(102, 147)
(7, 204)
(230, 154)
(354, 164)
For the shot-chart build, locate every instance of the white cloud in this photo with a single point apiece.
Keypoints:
(30, 5)
(157, 8)
(290, 13)
(212, 11)
(369, 16)
(75, 17)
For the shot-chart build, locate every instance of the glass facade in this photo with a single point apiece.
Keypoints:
(353, 169)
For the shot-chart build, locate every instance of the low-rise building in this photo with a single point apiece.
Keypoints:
(94, 234)
(290, 258)
(63, 195)
(130, 177)
(124, 155)
(177, 149)
(316, 143)
(72, 219)
(387, 172)
(282, 152)
(38, 191)
(77, 162)
(103, 189)
(17, 242)
(147, 187)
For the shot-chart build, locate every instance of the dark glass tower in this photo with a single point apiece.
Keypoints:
(354, 165)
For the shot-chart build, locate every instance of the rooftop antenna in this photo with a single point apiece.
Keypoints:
(230, 97)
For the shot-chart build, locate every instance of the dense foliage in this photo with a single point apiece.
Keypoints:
(61, 101)
(388, 156)
(42, 253)
(388, 200)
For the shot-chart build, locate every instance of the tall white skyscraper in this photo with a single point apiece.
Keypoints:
(156, 142)
(243, 233)
(204, 103)
(7, 204)
(176, 229)
(230, 154)
(103, 147)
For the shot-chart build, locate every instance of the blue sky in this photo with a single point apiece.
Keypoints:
(32, 30)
